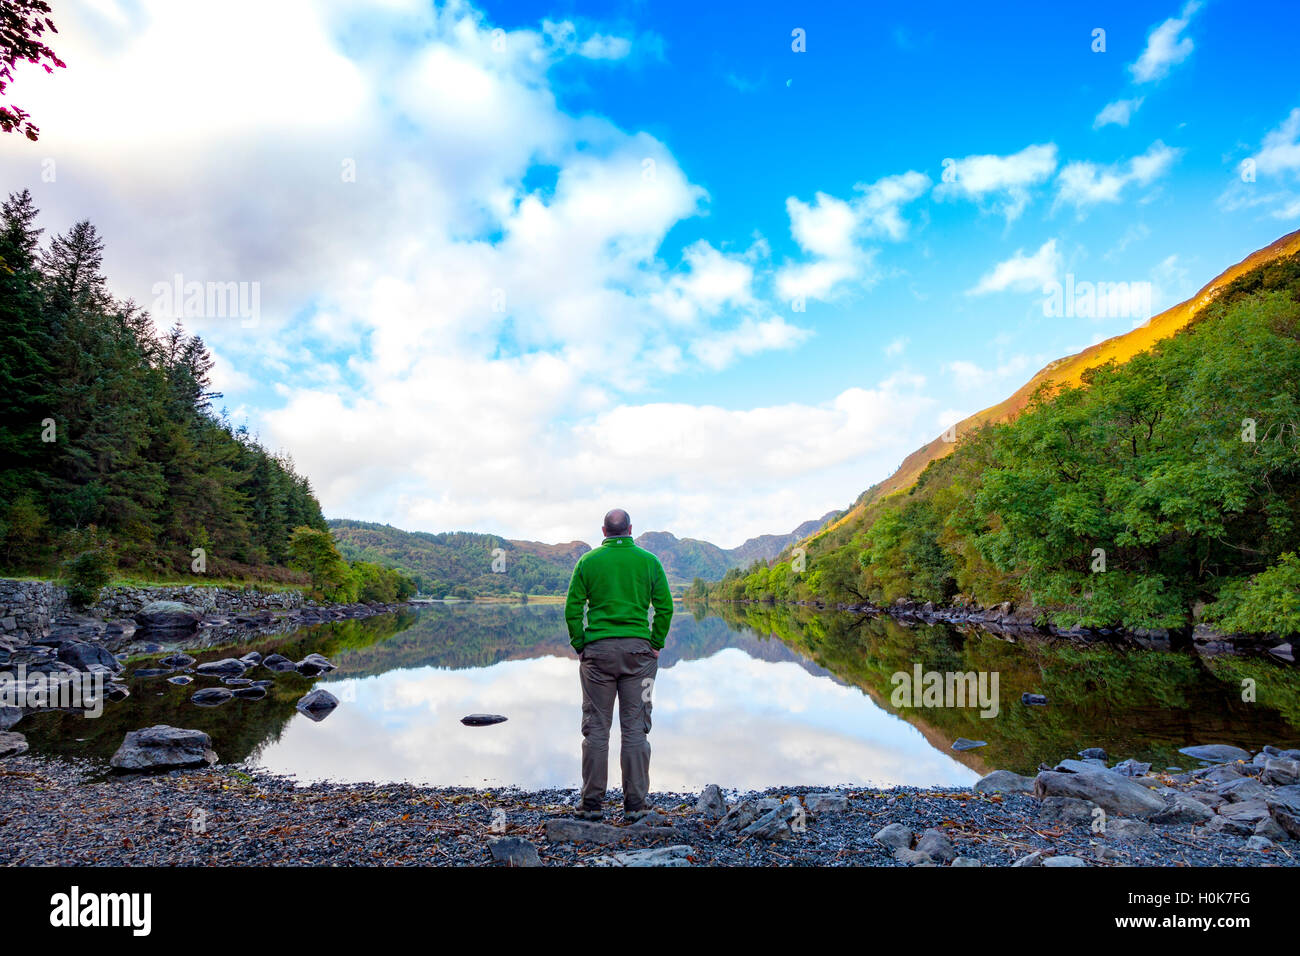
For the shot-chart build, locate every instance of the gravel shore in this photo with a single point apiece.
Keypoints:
(60, 812)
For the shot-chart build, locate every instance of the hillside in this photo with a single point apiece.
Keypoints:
(1151, 482)
(461, 563)
(111, 451)
(685, 559)
(1070, 370)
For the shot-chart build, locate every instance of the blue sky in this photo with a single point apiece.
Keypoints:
(649, 255)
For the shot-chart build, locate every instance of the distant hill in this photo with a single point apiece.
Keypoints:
(460, 563)
(685, 559)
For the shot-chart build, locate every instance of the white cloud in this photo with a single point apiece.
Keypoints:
(1083, 184)
(1280, 150)
(896, 347)
(1118, 113)
(1022, 273)
(1166, 47)
(832, 231)
(1004, 179)
(452, 337)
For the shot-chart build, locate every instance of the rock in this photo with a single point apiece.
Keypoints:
(168, 616)
(1289, 822)
(1132, 768)
(1288, 798)
(1281, 772)
(226, 667)
(1079, 766)
(1033, 700)
(211, 696)
(482, 720)
(935, 844)
(181, 679)
(176, 660)
(279, 663)
(1033, 859)
(1064, 861)
(1092, 753)
(676, 855)
(1215, 753)
(318, 704)
(1123, 830)
(163, 748)
(826, 802)
(780, 823)
(1004, 781)
(1112, 792)
(1225, 825)
(1070, 811)
(314, 664)
(711, 802)
(1184, 808)
(81, 655)
(1259, 843)
(1271, 829)
(1250, 812)
(567, 830)
(740, 816)
(514, 851)
(249, 693)
(913, 857)
(9, 716)
(251, 659)
(895, 837)
(966, 861)
(12, 743)
(1241, 789)
(963, 743)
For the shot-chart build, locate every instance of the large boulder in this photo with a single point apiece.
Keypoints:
(168, 616)
(318, 704)
(164, 748)
(226, 667)
(712, 803)
(1216, 753)
(1112, 792)
(82, 656)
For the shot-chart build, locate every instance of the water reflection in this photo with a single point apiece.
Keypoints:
(747, 697)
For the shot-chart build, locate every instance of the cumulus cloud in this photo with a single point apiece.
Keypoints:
(1083, 184)
(1005, 181)
(1166, 47)
(832, 232)
(464, 290)
(1022, 272)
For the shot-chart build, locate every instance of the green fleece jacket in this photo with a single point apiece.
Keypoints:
(618, 583)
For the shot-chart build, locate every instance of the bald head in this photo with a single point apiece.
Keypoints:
(617, 523)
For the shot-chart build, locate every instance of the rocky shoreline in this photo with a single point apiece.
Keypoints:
(1235, 809)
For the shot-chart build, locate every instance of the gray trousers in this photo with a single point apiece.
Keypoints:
(624, 667)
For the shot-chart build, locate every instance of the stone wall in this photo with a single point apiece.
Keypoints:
(27, 608)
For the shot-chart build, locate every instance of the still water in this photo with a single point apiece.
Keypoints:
(749, 698)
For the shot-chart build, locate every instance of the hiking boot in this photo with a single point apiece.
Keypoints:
(595, 814)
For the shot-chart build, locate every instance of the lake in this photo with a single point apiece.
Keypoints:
(747, 697)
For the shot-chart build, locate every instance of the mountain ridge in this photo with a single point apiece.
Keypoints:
(1068, 369)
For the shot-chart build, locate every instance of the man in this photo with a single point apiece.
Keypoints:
(618, 649)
